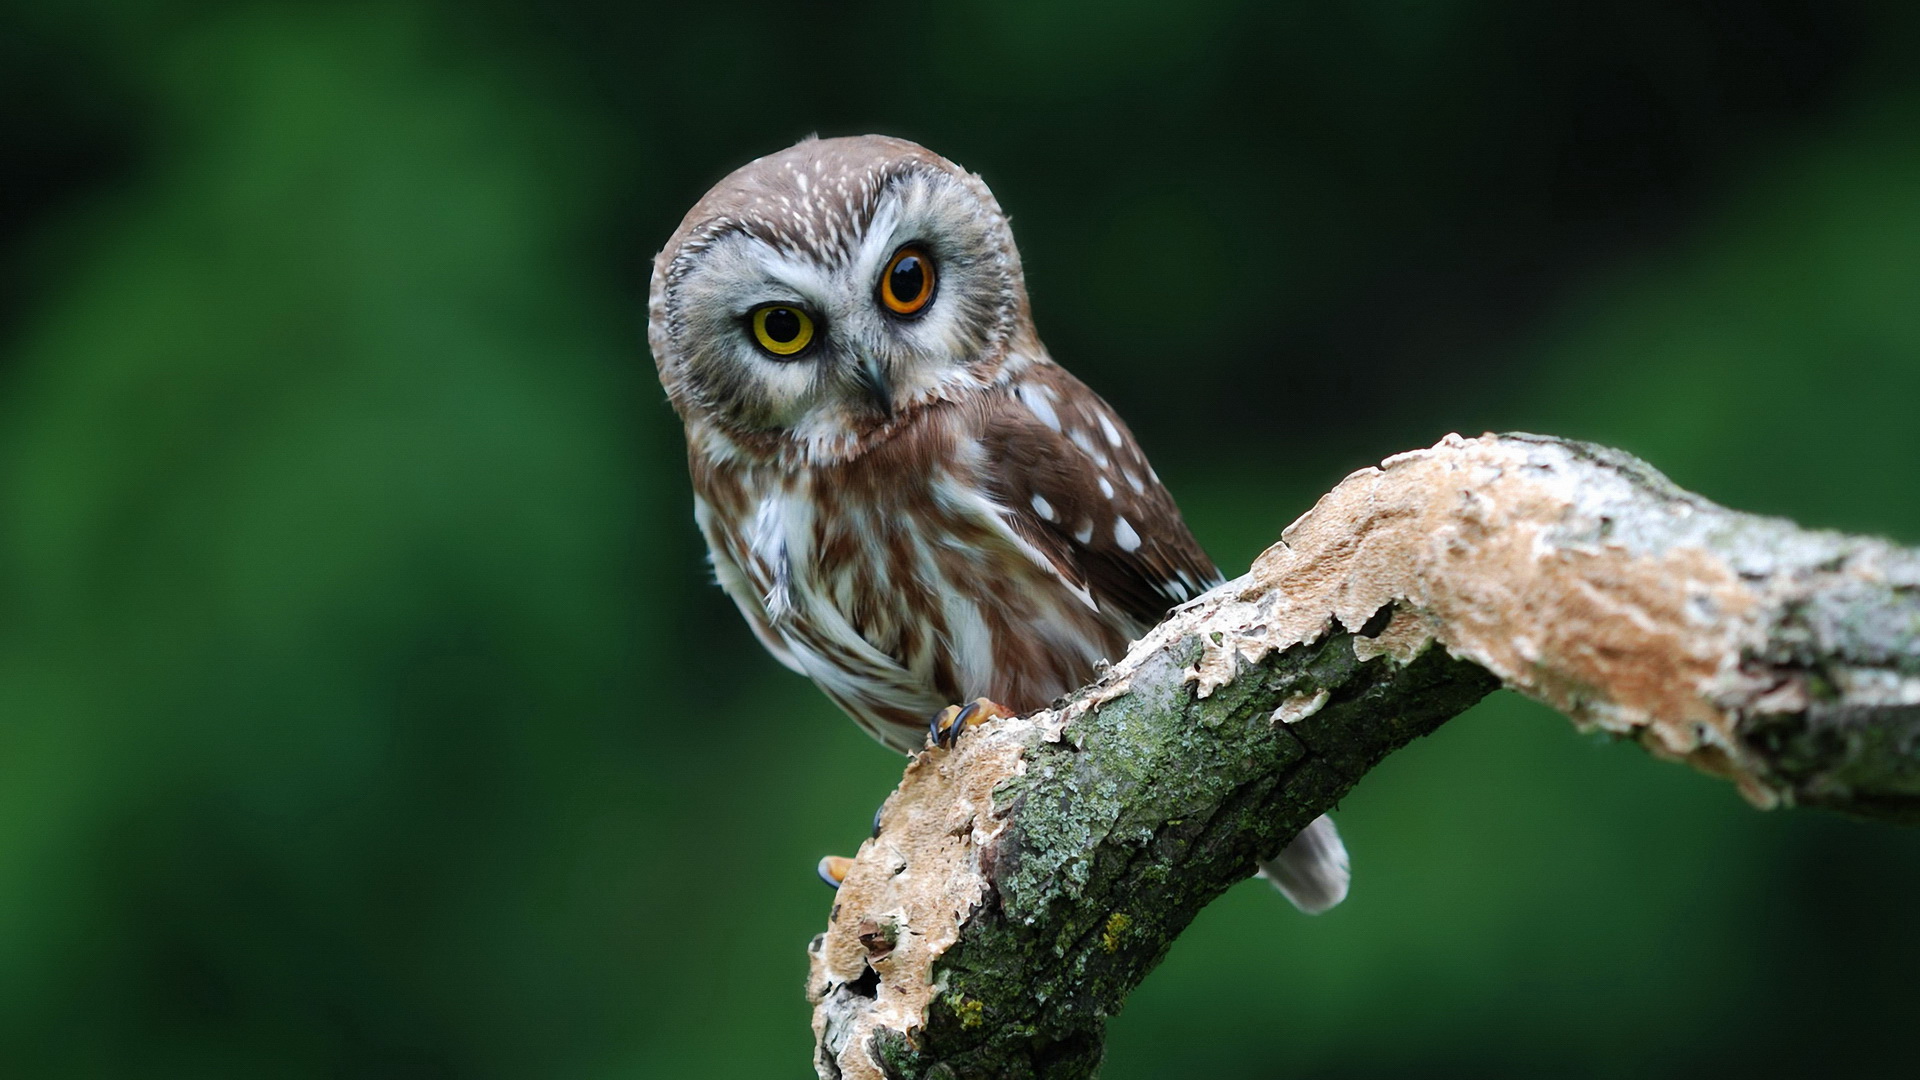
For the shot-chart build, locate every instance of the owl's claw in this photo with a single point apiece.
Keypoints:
(833, 869)
(947, 724)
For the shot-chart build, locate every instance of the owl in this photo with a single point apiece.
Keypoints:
(909, 501)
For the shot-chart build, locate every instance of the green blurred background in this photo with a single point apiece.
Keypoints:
(365, 710)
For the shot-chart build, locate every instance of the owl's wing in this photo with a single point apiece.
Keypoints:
(1076, 486)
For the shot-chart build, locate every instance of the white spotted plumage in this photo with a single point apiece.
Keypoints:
(915, 506)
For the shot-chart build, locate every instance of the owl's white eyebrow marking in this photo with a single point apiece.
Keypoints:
(1038, 406)
(878, 242)
(1106, 488)
(1112, 433)
(1042, 507)
(1084, 534)
(806, 279)
(1124, 535)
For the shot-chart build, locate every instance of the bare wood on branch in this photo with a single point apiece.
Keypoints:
(1023, 883)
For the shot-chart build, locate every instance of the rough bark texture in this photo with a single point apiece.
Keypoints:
(1022, 884)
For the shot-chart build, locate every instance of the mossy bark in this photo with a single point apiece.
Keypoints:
(1141, 815)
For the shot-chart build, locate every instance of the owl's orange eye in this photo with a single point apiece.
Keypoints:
(907, 283)
(782, 329)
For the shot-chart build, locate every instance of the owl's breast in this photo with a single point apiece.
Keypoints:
(898, 587)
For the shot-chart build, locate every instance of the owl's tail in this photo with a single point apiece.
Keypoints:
(1312, 870)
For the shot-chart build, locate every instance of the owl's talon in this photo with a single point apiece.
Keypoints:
(833, 869)
(948, 723)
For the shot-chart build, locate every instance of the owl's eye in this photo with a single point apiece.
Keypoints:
(907, 283)
(782, 330)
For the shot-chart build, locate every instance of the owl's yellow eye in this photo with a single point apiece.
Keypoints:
(782, 329)
(907, 283)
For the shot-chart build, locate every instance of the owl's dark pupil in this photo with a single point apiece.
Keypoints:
(782, 324)
(907, 279)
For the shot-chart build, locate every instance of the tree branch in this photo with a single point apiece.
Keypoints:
(1022, 884)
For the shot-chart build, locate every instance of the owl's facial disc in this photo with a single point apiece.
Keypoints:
(823, 293)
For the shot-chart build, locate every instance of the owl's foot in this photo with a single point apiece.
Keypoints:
(947, 724)
(833, 869)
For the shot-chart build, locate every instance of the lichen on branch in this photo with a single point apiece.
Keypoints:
(1020, 885)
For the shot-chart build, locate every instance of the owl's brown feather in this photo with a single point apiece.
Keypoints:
(1076, 484)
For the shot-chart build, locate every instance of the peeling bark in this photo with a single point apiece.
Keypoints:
(1022, 884)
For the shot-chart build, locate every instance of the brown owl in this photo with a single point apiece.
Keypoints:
(910, 502)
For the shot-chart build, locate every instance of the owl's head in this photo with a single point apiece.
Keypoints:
(817, 297)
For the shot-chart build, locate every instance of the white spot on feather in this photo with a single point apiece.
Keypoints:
(1106, 488)
(1039, 406)
(1087, 446)
(1124, 535)
(1042, 507)
(1112, 433)
(1084, 534)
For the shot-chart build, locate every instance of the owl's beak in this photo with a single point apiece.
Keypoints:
(872, 377)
